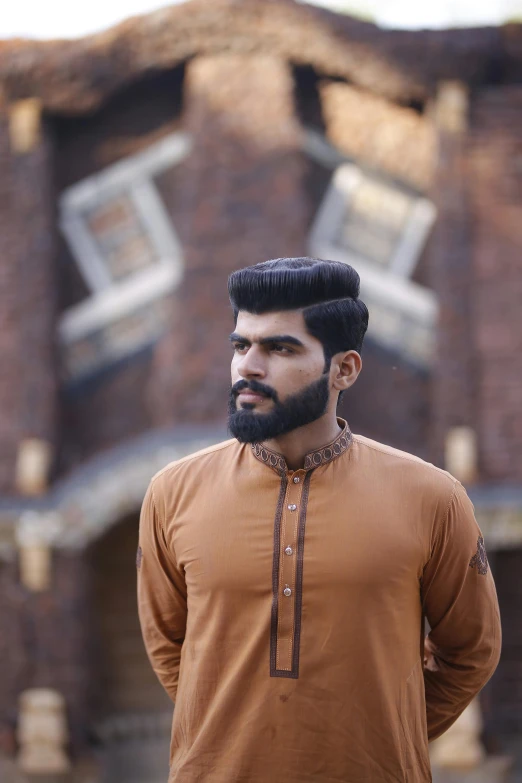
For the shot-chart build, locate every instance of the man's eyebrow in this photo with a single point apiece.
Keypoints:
(236, 338)
(275, 338)
(281, 338)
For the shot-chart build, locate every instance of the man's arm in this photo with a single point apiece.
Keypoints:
(162, 596)
(460, 603)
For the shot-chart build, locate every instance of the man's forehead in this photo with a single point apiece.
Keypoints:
(255, 327)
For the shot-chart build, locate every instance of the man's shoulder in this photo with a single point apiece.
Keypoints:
(409, 464)
(197, 461)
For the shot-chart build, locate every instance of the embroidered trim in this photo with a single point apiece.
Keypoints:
(328, 453)
(480, 559)
(270, 458)
(312, 460)
(299, 575)
(292, 673)
(275, 579)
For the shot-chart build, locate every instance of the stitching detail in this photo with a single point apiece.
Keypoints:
(175, 463)
(295, 543)
(313, 459)
(289, 527)
(438, 534)
(299, 574)
(271, 458)
(198, 455)
(275, 578)
(170, 552)
(292, 673)
(156, 509)
(321, 456)
(445, 517)
(428, 465)
(407, 457)
(282, 537)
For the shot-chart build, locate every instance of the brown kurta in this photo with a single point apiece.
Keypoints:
(283, 611)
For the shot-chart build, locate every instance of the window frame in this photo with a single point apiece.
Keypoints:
(133, 178)
(403, 314)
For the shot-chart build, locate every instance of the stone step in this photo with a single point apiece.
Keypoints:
(139, 761)
(494, 769)
(84, 772)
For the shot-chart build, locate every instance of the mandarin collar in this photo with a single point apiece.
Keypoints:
(313, 459)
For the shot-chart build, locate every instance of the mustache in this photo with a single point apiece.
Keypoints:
(255, 386)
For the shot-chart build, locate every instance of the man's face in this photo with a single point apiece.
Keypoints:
(278, 378)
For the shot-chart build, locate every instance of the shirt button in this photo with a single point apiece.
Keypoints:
(289, 550)
(292, 507)
(287, 591)
(296, 479)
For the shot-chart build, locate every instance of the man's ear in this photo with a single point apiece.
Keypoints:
(345, 369)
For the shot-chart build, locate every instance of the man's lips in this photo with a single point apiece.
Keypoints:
(250, 396)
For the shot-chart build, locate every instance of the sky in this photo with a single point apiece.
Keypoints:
(432, 13)
(63, 19)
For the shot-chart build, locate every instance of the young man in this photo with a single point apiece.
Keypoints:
(285, 575)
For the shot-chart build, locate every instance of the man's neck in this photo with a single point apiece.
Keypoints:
(295, 445)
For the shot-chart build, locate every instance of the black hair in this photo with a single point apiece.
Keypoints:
(327, 291)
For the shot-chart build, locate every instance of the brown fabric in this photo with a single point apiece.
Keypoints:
(325, 682)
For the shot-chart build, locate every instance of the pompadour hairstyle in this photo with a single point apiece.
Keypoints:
(327, 291)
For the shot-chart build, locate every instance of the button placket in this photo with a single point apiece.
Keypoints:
(287, 575)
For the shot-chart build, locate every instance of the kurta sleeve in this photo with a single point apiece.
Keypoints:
(460, 603)
(162, 596)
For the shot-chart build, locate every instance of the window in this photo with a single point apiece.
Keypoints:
(365, 218)
(128, 253)
(379, 227)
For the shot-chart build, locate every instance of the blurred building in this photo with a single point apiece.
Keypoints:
(138, 168)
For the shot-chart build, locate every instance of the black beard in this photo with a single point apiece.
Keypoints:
(298, 410)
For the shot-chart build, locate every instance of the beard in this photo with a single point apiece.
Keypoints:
(298, 410)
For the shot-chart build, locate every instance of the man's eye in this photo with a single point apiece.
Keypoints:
(280, 348)
(239, 346)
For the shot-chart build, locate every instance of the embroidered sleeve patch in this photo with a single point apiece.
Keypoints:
(479, 559)
(139, 556)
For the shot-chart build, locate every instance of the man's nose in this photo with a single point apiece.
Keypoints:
(251, 365)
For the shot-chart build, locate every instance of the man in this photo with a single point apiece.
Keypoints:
(285, 575)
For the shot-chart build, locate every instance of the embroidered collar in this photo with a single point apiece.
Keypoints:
(313, 459)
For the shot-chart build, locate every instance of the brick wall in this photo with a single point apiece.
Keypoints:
(246, 193)
(390, 138)
(450, 274)
(502, 697)
(475, 269)
(237, 199)
(27, 299)
(14, 662)
(46, 641)
(495, 195)
(110, 407)
(390, 401)
(124, 680)
(243, 202)
(495, 188)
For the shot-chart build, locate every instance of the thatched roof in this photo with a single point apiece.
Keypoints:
(76, 76)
